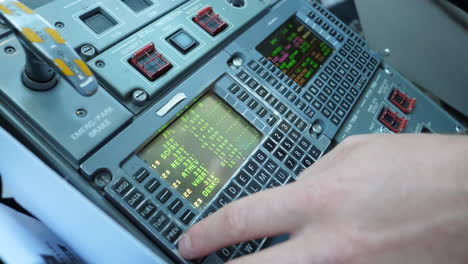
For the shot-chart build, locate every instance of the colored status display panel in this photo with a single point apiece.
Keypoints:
(200, 151)
(295, 50)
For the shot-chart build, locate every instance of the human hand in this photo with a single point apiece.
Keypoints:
(373, 199)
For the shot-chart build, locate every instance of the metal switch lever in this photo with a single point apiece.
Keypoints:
(47, 52)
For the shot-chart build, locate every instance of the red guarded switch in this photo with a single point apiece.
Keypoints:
(402, 101)
(392, 121)
(210, 21)
(149, 62)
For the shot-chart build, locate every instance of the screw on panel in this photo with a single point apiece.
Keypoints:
(88, 51)
(387, 52)
(59, 24)
(139, 97)
(100, 64)
(102, 179)
(10, 50)
(317, 128)
(460, 130)
(81, 112)
(235, 62)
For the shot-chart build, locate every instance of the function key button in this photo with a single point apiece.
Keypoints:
(300, 104)
(252, 104)
(222, 200)
(345, 105)
(333, 64)
(134, 198)
(289, 82)
(346, 84)
(322, 97)
(343, 53)
(273, 184)
(309, 112)
(324, 77)
(243, 96)
(328, 90)
(332, 105)
(359, 66)
(260, 157)
(340, 38)
(152, 185)
(350, 78)
(319, 83)
(272, 100)
(281, 175)
(285, 127)
(341, 91)
(362, 60)
(290, 116)
(262, 73)
(294, 135)
(281, 88)
(262, 112)
(122, 187)
(141, 175)
(280, 154)
(248, 247)
(355, 53)
(307, 161)
(175, 206)
(297, 153)
(172, 233)
(269, 145)
(232, 190)
(349, 98)
(187, 216)
(164, 195)
(287, 144)
(317, 105)
(262, 177)
(300, 124)
(234, 88)
(251, 167)
(291, 96)
(272, 80)
(340, 112)
(308, 97)
(290, 163)
(351, 59)
(315, 152)
(326, 112)
(336, 98)
(242, 178)
(311, 15)
(366, 55)
(272, 68)
(350, 42)
(358, 48)
(226, 253)
(314, 90)
(333, 32)
(147, 210)
(253, 65)
(297, 89)
(333, 84)
(277, 135)
(346, 66)
(280, 75)
(354, 92)
(304, 144)
(335, 120)
(272, 119)
(337, 77)
(262, 92)
(159, 221)
(271, 166)
(319, 21)
(326, 27)
(281, 108)
(263, 60)
(254, 187)
(347, 47)
(252, 84)
(243, 76)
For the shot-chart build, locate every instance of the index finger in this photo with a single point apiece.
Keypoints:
(268, 213)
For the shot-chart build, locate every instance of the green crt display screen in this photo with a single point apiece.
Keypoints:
(201, 150)
(295, 50)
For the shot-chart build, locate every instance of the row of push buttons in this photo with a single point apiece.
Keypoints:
(292, 150)
(146, 207)
(286, 86)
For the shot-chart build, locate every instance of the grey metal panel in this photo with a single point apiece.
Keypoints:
(123, 78)
(54, 112)
(428, 40)
(77, 32)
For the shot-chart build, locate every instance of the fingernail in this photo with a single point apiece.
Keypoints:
(185, 246)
